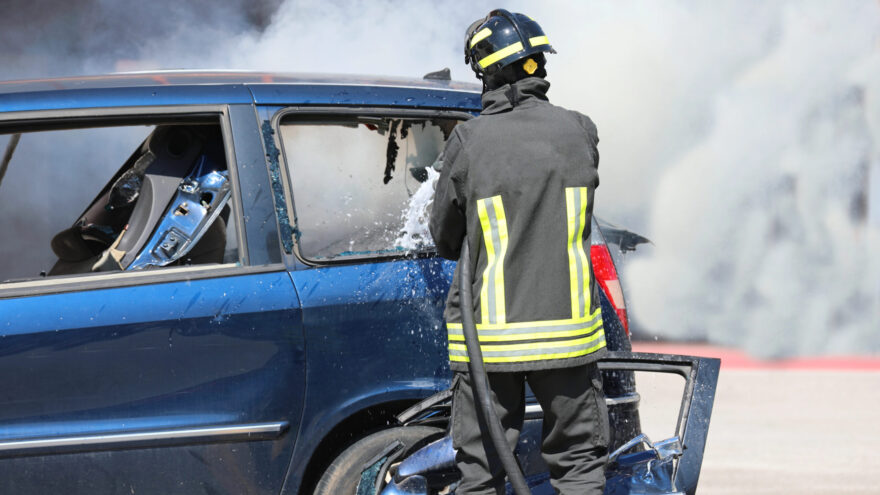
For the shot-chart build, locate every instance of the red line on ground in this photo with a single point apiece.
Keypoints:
(737, 359)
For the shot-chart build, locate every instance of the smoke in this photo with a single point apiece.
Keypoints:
(763, 233)
(742, 137)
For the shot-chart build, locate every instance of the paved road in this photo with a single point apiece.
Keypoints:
(805, 432)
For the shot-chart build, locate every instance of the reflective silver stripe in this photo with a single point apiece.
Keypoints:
(496, 241)
(256, 431)
(576, 199)
(509, 329)
(494, 226)
(577, 243)
(547, 348)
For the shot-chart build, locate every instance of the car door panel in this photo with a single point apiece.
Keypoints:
(93, 370)
(375, 336)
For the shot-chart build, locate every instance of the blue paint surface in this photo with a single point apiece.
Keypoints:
(375, 334)
(337, 94)
(180, 354)
(203, 88)
(124, 97)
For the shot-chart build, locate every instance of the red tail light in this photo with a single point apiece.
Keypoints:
(606, 275)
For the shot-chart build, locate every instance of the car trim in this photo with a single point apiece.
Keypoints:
(534, 411)
(232, 167)
(241, 432)
(366, 111)
(99, 113)
(112, 280)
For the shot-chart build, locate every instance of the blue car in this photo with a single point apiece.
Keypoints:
(220, 283)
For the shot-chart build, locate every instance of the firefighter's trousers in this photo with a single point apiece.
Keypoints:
(574, 437)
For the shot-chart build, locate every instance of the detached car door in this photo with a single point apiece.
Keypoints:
(147, 343)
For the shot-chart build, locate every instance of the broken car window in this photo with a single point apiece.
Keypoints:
(362, 186)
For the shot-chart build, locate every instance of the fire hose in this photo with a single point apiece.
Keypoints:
(480, 382)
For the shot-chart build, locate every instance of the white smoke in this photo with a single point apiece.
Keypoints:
(742, 137)
(762, 229)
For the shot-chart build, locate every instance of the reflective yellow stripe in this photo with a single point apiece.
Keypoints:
(527, 324)
(538, 40)
(533, 345)
(534, 357)
(490, 259)
(500, 54)
(494, 225)
(531, 336)
(578, 262)
(501, 219)
(480, 36)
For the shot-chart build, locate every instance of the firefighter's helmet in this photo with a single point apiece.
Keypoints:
(502, 38)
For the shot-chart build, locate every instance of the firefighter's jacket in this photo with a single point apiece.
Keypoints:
(520, 179)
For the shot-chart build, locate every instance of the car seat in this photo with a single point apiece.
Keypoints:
(115, 228)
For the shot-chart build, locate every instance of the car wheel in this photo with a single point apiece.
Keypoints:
(344, 473)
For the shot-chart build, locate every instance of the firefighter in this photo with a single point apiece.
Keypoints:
(519, 181)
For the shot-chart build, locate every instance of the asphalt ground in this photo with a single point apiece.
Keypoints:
(797, 427)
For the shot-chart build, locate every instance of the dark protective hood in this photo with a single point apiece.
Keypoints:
(513, 95)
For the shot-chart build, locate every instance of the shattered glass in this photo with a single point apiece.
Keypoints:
(273, 153)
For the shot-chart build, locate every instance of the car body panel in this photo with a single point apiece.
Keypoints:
(375, 335)
(398, 97)
(206, 78)
(206, 87)
(255, 190)
(119, 97)
(152, 358)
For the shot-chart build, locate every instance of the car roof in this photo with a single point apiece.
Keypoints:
(187, 87)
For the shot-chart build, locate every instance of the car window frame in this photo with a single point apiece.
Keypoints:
(367, 111)
(35, 120)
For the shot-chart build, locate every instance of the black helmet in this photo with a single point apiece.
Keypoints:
(502, 38)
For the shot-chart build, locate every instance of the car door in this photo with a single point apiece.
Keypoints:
(172, 379)
(372, 291)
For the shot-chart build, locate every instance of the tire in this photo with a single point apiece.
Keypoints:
(343, 474)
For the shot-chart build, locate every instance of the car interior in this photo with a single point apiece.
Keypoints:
(167, 205)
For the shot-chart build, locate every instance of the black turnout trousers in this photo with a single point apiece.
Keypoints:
(574, 437)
